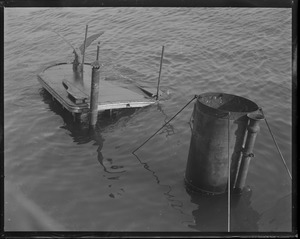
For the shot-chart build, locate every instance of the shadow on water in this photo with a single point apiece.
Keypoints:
(81, 132)
(212, 212)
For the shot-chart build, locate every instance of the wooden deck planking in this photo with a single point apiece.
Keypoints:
(111, 96)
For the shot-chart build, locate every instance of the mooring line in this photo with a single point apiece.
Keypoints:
(278, 149)
(164, 124)
(229, 166)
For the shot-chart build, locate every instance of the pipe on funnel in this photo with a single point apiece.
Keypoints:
(253, 128)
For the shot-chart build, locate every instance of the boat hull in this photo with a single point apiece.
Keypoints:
(111, 96)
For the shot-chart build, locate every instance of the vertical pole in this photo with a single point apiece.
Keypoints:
(229, 175)
(94, 91)
(84, 45)
(161, 60)
(239, 160)
(98, 47)
(253, 129)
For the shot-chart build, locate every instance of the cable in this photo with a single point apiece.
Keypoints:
(287, 169)
(164, 124)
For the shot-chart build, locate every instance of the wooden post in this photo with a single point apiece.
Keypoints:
(161, 60)
(94, 91)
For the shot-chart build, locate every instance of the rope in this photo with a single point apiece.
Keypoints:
(228, 207)
(286, 167)
(164, 124)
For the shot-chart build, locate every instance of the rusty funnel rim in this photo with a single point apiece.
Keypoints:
(222, 104)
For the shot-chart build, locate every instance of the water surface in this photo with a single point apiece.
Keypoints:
(60, 177)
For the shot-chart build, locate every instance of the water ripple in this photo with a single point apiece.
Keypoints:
(92, 181)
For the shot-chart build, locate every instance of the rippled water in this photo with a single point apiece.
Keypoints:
(59, 177)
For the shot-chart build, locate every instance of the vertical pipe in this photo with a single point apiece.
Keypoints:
(229, 175)
(161, 60)
(98, 47)
(84, 45)
(94, 91)
(253, 129)
(239, 160)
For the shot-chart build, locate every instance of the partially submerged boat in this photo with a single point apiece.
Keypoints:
(73, 92)
(70, 84)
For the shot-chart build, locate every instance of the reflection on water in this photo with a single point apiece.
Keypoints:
(82, 133)
(243, 216)
(173, 202)
(70, 173)
(212, 212)
(168, 129)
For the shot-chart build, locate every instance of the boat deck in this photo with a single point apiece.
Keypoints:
(60, 80)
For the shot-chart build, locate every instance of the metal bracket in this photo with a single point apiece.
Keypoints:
(251, 155)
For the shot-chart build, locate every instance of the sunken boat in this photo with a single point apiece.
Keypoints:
(71, 84)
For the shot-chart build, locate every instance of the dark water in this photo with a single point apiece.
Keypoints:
(59, 177)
